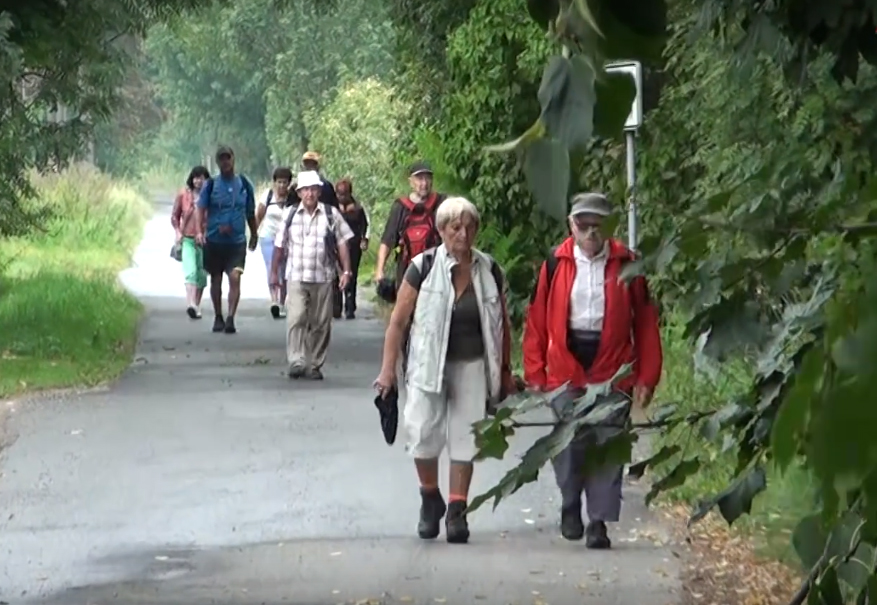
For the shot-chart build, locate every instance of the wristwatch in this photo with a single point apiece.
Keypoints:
(347, 273)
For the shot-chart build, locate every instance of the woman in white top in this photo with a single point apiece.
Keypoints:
(270, 215)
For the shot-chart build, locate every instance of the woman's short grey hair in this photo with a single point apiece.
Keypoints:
(454, 208)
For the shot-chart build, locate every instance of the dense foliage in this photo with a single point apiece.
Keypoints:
(62, 66)
(756, 184)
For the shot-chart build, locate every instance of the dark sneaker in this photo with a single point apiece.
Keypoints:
(296, 370)
(350, 315)
(192, 312)
(571, 525)
(229, 325)
(275, 310)
(314, 374)
(432, 509)
(456, 525)
(218, 324)
(597, 536)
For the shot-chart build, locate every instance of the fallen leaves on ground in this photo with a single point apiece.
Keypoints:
(722, 568)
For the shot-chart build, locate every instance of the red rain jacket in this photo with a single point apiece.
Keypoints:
(630, 327)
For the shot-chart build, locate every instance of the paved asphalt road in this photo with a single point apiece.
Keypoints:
(205, 476)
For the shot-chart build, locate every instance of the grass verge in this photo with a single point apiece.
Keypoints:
(66, 321)
(788, 497)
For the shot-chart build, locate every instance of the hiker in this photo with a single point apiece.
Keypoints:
(357, 219)
(410, 224)
(183, 220)
(230, 206)
(458, 360)
(310, 162)
(583, 324)
(313, 241)
(270, 215)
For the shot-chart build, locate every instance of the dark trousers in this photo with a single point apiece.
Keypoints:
(601, 485)
(346, 301)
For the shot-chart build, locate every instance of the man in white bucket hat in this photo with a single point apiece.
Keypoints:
(313, 244)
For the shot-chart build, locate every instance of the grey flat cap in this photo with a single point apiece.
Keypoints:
(590, 203)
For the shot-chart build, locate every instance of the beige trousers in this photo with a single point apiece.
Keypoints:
(308, 323)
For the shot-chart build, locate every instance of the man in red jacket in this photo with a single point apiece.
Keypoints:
(583, 324)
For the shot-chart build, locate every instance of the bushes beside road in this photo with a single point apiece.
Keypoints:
(64, 318)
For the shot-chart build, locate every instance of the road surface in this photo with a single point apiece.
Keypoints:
(205, 476)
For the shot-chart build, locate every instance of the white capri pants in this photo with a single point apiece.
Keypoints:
(435, 420)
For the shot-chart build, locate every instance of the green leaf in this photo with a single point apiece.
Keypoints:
(736, 500)
(791, 418)
(828, 588)
(615, 93)
(808, 539)
(546, 167)
(675, 478)
(665, 453)
(567, 96)
(727, 416)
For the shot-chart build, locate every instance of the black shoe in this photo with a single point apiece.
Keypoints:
(314, 374)
(350, 315)
(229, 325)
(192, 312)
(456, 525)
(275, 311)
(432, 509)
(296, 370)
(571, 525)
(597, 537)
(219, 324)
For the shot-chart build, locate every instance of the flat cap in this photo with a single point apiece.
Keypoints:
(590, 203)
(224, 150)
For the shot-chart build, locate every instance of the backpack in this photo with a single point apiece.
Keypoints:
(248, 187)
(419, 233)
(551, 263)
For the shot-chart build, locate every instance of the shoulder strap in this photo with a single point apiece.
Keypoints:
(551, 265)
(426, 264)
(406, 202)
(497, 275)
(270, 197)
(209, 187)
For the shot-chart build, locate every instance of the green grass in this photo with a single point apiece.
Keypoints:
(788, 496)
(66, 320)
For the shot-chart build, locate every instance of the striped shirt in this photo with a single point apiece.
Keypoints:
(305, 244)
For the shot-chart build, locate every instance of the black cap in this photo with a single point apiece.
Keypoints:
(419, 168)
(224, 150)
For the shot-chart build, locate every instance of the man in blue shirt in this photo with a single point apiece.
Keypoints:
(227, 205)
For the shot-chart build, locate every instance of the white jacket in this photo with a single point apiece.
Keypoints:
(428, 344)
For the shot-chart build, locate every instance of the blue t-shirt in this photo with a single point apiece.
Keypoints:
(229, 204)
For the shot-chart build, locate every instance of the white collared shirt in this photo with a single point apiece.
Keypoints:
(587, 301)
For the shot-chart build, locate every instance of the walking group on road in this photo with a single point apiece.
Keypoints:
(447, 349)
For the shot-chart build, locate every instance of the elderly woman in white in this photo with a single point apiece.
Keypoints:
(457, 360)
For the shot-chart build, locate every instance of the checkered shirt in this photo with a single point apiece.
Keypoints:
(305, 244)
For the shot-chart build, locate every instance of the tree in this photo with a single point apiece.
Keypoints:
(360, 133)
(62, 65)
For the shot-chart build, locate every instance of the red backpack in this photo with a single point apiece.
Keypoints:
(418, 229)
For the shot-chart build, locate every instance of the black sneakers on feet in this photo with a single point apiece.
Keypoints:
(571, 525)
(192, 312)
(219, 324)
(432, 509)
(314, 374)
(296, 370)
(229, 325)
(597, 537)
(275, 310)
(456, 525)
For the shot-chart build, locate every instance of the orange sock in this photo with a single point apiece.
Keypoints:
(457, 498)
